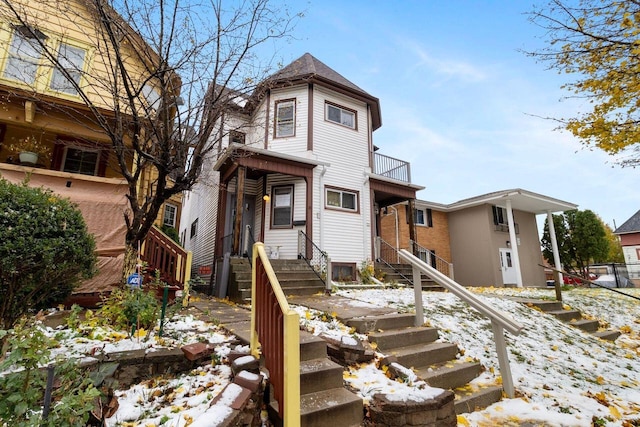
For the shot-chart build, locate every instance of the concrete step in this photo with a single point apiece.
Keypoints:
(422, 355)
(388, 339)
(319, 374)
(607, 335)
(244, 290)
(545, 306)
(450, 375)
(282, 275)
(335, 407)
(383, 322)
(312, 347)
(586, 324)
(473, 398)
(566, 315)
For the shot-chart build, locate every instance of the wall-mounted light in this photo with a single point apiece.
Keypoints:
(266, 198)
(508, 244)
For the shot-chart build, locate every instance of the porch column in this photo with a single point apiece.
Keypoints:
(308, 181)
(554, 245)
(514, 243)
(242, 171)
(412, 224)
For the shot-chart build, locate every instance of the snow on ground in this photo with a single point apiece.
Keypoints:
(563, 377)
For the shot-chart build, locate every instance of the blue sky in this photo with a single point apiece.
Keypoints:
(461, 102)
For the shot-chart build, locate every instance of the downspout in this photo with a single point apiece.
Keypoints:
(514, 244)
(321, 205)
(364, 219)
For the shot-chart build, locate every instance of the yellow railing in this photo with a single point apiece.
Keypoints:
(275, 334)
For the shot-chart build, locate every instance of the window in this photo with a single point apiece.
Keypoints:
(428, 256)
(236, 137)
(423, 217)
(282, 207)
(169, 217)
(285, 118)
(151, 95)
(194, 229)
(342, 272)
(340, 115)
(71, 58)
(24, 55)
(78, 160)
(499, 215)
(341, 199)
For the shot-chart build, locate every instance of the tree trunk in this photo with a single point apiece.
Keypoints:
(130, 262)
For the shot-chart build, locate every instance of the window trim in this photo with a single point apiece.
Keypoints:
(342, 109)
(356, 193)
(175, 214)
(194, 229)
(81, 70)
(276, 119)
(237, 137)
(274, 188)
(13, 31)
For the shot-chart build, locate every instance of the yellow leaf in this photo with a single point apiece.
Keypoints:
(334, 314)
(614, 412)
(307, 315)
(373, 345)
(463, 421)
(600, 380)
(554, 347)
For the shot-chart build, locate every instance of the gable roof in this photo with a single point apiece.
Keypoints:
(632, 225)
(308, 68)
(523, 200)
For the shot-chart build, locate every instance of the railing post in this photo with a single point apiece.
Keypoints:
(417, 291)
(300, 239)
(377, 248)
(327, 279)
(503, 358)
(451, 271)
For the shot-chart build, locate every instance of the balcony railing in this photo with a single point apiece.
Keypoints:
(275, 334)
(391, 168)
(163, 254)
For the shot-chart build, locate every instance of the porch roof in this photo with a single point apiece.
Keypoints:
(522, 200)
(264, 160)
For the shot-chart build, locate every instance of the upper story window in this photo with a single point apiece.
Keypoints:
(24, 55)
(499, 215)
(236, 137)
(423, 217)
(341, 199)
(340, 115)
(79, 160)
(282, 207)
(285, 118)
(170, 213)
(194, 229)
(71, 59)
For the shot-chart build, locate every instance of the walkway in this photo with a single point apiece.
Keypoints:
(237, 319)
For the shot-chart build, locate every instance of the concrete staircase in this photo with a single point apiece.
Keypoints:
(403, 273)
(324, 401)
(572, 317)
(434, 362)
(295, 277)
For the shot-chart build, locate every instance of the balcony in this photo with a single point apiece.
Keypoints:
(390, 167)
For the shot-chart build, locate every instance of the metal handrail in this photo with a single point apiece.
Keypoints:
(319, 260)
(248, 243)
(441, 263)
(499, 320)
(391, 167)
(383, 249)
(275, 334)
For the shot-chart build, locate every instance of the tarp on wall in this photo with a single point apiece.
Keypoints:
(102, 205)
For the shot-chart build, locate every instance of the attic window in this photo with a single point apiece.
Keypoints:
(71, 59)
(24, 55)
(340, 115)
(236, 137)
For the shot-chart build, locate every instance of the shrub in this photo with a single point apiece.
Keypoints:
(125, 308)
(22, 387)
(45, 250)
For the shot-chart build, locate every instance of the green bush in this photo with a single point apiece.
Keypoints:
(172, 233)
(45, 250)
(125, 308)
(25, 350)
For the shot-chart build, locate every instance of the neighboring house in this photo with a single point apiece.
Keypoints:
(629, 234)
(38, 103)
(491, 240)
(297, 161)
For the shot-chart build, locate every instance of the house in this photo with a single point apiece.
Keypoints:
(297, 167)
(487, 240)
(41, 106)
(629, 234)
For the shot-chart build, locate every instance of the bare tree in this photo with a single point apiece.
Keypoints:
(161, 77)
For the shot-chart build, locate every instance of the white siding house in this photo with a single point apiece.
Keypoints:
(307, 164)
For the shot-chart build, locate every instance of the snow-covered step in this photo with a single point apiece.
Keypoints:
(451, 374)
(387, 339)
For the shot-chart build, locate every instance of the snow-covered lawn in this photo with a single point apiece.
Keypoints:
(563, 376)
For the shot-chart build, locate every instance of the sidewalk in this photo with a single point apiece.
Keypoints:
(237, 319)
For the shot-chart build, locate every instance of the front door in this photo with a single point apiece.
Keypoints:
(248, 216)
(509, 274)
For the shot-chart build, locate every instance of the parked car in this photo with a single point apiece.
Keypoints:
(609, 281)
